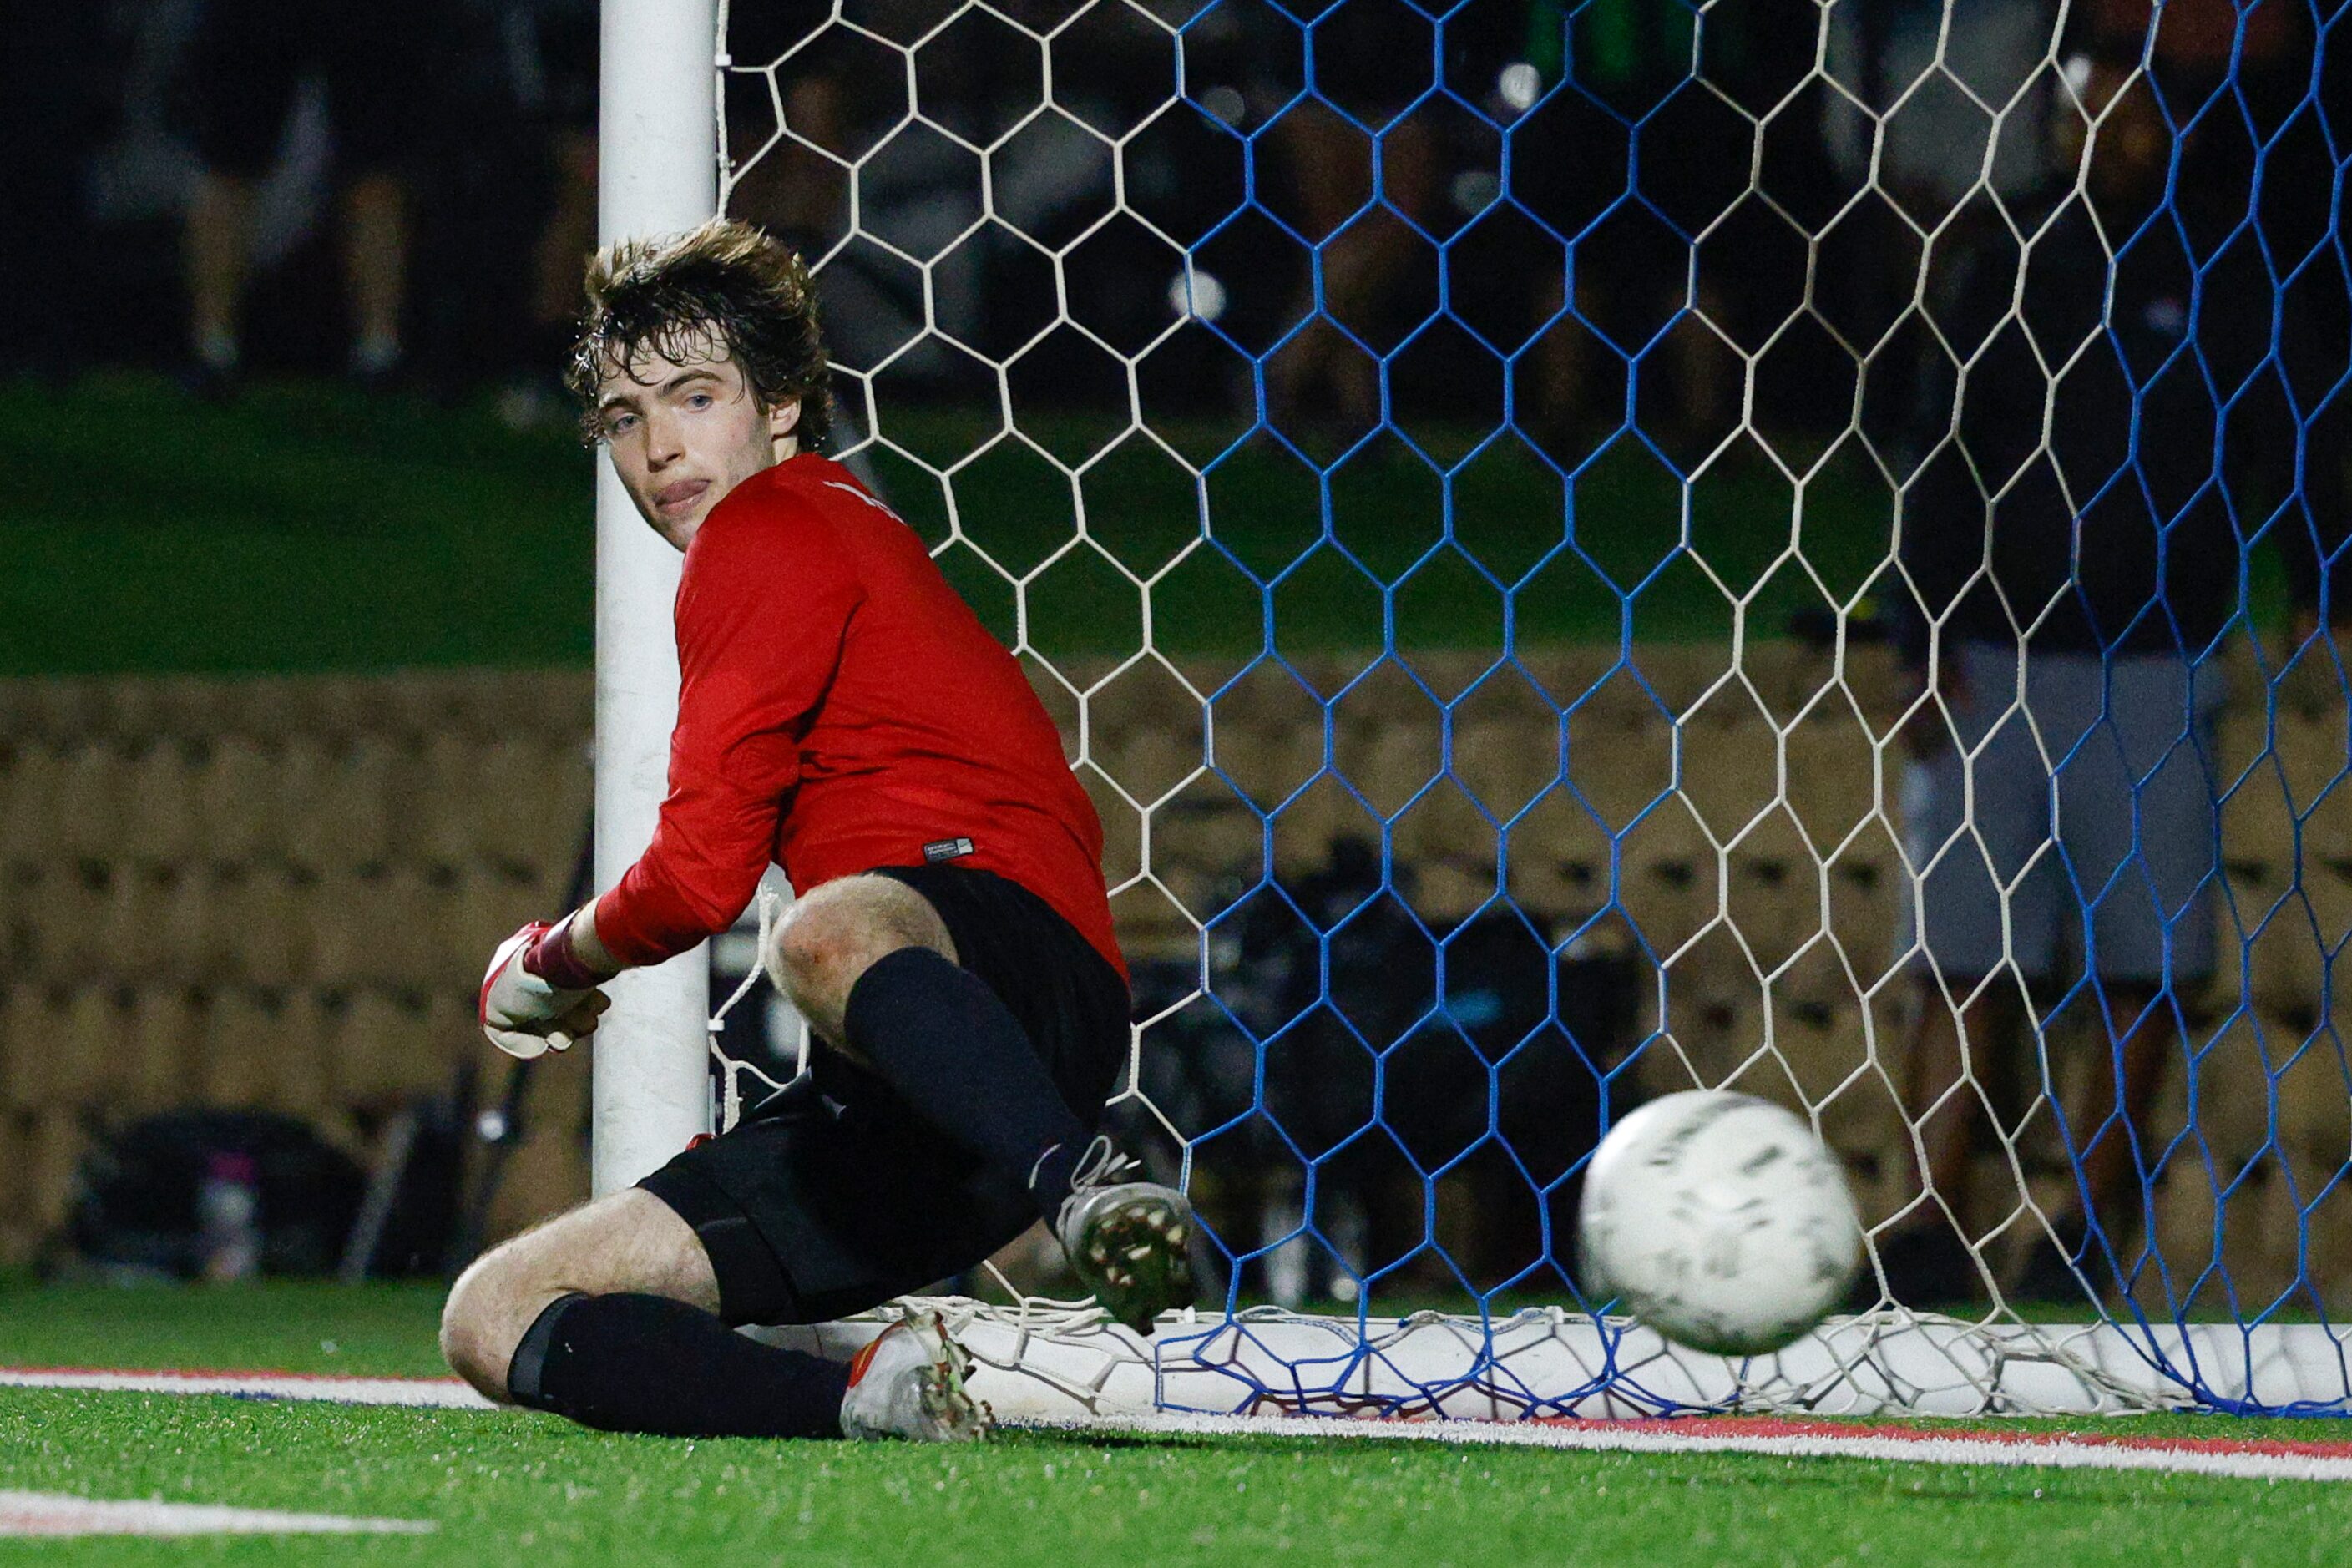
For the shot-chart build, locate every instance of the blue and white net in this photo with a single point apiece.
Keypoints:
(1553, 531)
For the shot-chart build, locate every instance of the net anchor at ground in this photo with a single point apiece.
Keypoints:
(1059, 1360)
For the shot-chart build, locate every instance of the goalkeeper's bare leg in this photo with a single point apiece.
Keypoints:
(617, 1314)
(608, 1315)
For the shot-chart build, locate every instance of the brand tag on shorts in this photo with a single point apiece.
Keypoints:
(946, 849)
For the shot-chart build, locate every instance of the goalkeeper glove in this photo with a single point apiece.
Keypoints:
(521, 1013)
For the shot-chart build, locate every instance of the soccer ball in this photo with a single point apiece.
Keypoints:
(1719, 1220)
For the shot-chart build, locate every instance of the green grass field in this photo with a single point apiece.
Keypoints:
(305, 527)
(526, 1489)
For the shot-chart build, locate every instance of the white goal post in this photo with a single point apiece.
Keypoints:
(657, 173)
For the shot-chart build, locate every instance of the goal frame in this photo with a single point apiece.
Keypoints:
(657, 173)
(662, 171)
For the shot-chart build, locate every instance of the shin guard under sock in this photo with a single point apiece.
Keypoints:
(646, 1363)
(952, 1050)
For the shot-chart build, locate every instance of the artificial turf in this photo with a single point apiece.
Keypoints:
(518, 1488)
(529, 1489)
(380, 1330)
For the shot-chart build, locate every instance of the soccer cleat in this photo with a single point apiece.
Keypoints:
(909, 1383)
(1129, 1241)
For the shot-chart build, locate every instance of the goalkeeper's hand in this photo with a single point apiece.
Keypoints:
(521, 1013)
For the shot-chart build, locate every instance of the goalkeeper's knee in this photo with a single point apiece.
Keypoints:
(482, 1321)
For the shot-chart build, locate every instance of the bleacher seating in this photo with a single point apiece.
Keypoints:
(277, 893)
(271, 893)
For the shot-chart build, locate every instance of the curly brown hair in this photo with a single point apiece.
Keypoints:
(723, 290)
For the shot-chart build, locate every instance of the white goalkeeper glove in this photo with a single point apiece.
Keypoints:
(522, 1014)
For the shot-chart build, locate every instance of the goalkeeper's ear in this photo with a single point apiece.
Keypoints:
(783, 428)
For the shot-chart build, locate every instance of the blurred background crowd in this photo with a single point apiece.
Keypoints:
(402, 194)
(227, 186)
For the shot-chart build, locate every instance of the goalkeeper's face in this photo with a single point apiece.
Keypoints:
(684, 433)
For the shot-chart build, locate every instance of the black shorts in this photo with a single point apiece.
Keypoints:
(835, 1196)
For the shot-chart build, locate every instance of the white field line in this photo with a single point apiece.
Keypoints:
(1964, 1446)
(2308, 1461)
(428, 1392)
(55, 1513)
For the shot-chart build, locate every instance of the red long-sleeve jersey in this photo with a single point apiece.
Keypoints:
(841, 708)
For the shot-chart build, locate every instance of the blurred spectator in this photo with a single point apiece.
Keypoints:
(793, 178)
(1940, 112)
(914, 287)
(2194, 42)
(247, 64)
(508, 170)
(1633, 218)
(557, 263)
(2257, 61)
(1940, 100)
(48, 120)
(1343, 150)
(2073, 590)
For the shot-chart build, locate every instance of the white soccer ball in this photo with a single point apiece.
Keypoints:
(1719, 1220)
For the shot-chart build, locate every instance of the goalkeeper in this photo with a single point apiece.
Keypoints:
(842, 712)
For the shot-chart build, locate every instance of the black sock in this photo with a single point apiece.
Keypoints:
(947, 1043)
(646, 1363)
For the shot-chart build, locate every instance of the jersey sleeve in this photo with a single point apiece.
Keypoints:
(763, 606)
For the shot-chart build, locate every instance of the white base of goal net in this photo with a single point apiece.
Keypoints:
(1057, 1362)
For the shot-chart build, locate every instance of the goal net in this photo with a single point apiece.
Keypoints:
(1587, 549)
